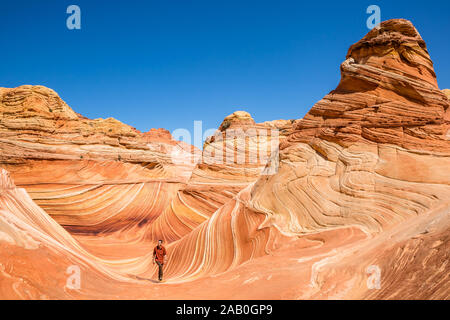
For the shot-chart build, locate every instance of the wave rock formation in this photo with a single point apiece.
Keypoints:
(354, 203)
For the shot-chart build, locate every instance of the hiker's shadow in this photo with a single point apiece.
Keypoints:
(154, 281)
(143, 279)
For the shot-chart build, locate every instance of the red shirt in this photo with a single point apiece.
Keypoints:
(160, 253)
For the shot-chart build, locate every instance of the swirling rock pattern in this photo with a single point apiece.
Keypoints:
(355, 205)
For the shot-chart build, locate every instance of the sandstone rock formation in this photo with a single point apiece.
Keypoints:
(36, 124)
(91, 176)
(359, 186)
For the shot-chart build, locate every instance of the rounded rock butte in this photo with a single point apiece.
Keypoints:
(362, 180)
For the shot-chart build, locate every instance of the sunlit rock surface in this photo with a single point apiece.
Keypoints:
(355, 205)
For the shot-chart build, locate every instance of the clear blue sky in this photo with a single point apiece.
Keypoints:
(167, 63)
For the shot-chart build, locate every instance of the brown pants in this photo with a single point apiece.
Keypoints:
(160, 272)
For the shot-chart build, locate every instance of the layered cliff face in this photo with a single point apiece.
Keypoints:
(36, 124)
(375, 154)
(358, 189)
(92, 176)
(376, 148)
(388, 94)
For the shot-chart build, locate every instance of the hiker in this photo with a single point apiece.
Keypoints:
(159, 257)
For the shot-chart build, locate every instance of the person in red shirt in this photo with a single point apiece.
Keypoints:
(159, 257)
